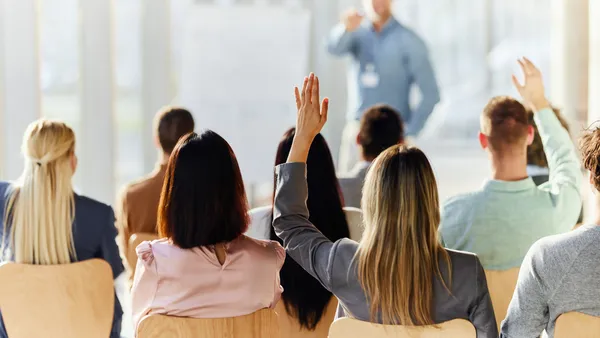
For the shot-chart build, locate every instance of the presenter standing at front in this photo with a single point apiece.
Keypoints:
(387, 60)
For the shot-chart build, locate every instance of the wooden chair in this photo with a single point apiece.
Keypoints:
(575, 324)
(57, 301)
(134, 241)
(352, 328)
(502, 286)
(260, 324)
(290, 328)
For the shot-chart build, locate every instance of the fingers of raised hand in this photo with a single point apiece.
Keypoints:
(309, 88)
(324, 110)
(298, 99)
(315, 93)
(304, 85)
(516, 83)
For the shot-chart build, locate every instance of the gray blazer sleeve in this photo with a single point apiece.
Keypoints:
(482, 314)
(301, 240)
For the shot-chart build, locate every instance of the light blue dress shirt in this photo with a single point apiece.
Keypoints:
(501, 221)
(399, 58)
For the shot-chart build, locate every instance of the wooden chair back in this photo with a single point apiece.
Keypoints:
(57, 301)
(501, 284)
(576, 324)
(134, 241)
(290, 328)
(260, 324)
(352, 328)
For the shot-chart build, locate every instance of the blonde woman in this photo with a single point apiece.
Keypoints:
(399, 273)
(44, 221)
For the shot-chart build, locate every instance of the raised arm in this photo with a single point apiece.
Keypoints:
(342, 39)
(565, 173)
(423, 75)
(301, 240)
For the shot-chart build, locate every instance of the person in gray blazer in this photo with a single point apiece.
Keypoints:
(41, 205)
(399, 273)
(380, 128)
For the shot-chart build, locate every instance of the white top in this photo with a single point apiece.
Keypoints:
(260, 223)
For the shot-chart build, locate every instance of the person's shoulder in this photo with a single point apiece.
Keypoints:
(138, 187)
(89, 205)
(461, 201)
(259, 247)
(565, 244)
(463, 257)
(410, 36)
(5, 188)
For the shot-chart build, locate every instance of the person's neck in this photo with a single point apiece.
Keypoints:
(164, 158)
(509, 169)
(380, 22)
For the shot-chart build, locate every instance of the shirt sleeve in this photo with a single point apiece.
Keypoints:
(528, 311)
(301, 240)
(422, 73)
(341, 42)
(109, 251)
(145, 283)
(565, 172)
(482, 314)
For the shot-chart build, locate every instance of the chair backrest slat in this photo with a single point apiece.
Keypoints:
(290, 327)
(67, 301)
(352, 328)
(260, 324)
(575, 324)
(501, 284)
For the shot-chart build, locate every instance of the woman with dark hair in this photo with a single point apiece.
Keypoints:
(304, 298)
(205, 267)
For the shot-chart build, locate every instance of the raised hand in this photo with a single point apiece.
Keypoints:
(532, 90)
(352, 19)
(312, 115)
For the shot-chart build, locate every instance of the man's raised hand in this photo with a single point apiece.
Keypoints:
(532, 90)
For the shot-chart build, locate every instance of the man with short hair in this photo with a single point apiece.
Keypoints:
(388, 59)
(380, 128)
(139, 200)
(502, 220)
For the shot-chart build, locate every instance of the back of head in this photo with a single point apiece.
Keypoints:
(304, 297)
(505, 124)
(399, 253)
(535, 151)
(40, 210)
(380, 128)
(589, 145)
(203, 201)
(171, 123)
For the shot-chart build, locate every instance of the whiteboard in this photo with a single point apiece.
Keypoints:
(238, 71)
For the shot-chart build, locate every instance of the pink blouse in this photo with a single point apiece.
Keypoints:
(192, 283)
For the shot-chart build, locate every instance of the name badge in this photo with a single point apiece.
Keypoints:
(370, 78)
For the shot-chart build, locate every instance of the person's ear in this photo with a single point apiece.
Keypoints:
(483, 140)
(530, 135)
(358, 139)
(74, 162)
(157, 142)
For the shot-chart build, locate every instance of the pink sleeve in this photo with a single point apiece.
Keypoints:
(145, 283)
(280, 253)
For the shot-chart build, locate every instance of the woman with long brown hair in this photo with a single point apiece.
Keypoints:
(399, 273)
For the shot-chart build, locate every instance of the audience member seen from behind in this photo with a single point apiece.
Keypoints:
(399, 273)
(380, 128)
(509, 213)
(560, 273)
(204, 267)
(45, 222)
(139, 200)
(304, 297)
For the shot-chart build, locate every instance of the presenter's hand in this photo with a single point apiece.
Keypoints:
(312, 115)
(532, 90)
(352, 19)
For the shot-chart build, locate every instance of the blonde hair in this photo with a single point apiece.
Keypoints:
(40, 210)
(400, 251)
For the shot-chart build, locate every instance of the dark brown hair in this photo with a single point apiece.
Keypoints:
(504, 122)
(203, 201)
(590, 153)
(535, 151)
(380, 128)
(171, 123)
(304, 297)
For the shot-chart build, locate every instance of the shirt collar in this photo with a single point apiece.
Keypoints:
(509, 186)
(389, 25)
